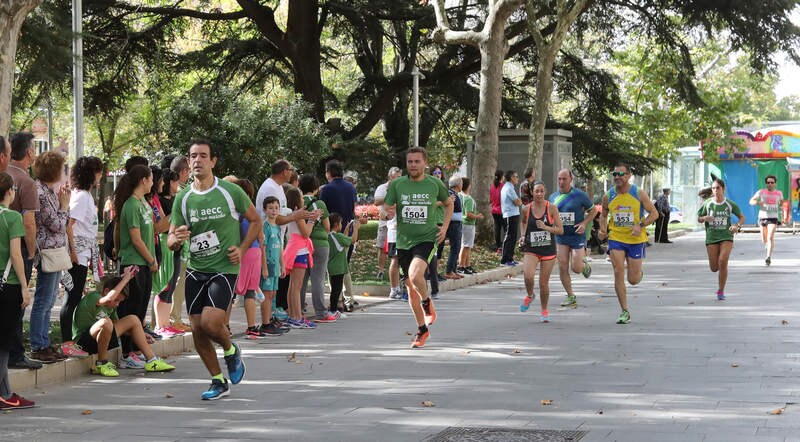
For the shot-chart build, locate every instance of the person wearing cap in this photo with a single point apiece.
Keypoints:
(380, 241)
(662, 223)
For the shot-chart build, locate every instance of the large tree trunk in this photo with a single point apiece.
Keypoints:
(302, 33)
(12, 14)
(484, 160)
(541, 108)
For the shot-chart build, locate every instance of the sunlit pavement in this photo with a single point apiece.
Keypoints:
(688, 367)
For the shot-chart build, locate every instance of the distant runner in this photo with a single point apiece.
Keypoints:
(769, 203)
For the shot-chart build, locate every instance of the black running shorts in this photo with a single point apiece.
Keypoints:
(208, 290)
(421, 251)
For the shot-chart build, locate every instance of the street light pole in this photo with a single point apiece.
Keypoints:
(416, 74)
(77, 77)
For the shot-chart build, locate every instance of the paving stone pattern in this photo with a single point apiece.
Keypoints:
(687, 368)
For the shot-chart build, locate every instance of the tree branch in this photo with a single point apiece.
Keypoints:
(182, 12)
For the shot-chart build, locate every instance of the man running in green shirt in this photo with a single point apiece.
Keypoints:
(413, 199)
(207, 215)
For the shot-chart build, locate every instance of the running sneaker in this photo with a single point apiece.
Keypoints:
(379, 276)
(132, 362)
(720, 295)
(587, 270)
(164, 333)
(309, 324)
(15, 402)
(768, 260)
(570, 301)
(545, 316)
(510, 264)
(176, 331)
(624, 317)
(235, 365)
(155, 335)
(254, 333)
(297, 323)
(216, 390)
(394, 293)
(280, 314)
(434, 295)
(471, 270)
(430, 312)
(419, 339)
(327, 317)
(182, 327)
(107, 370)
(73, 350)
(271, 330)
(158, 365)
(404, 296)
(283, 326)
(526, 303)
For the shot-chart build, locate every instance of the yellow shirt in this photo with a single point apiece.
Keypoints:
(625, 211)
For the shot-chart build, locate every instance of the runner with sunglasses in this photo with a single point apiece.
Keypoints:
(625, 205)
(769, 203)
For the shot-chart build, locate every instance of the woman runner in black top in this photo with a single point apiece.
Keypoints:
(540, 222)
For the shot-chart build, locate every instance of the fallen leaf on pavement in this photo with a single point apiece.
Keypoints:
(776, 411)
(734, 365)
(428, 404)
(516, 351)
(365, 294)
(599, 411)
(169, 395)
(784, 322)
(691, 303)
(86, 412)
(292, 357)
(408, 333)
(547, 402)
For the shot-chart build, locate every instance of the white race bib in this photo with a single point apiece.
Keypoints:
(719, 222)
(204, 244)
(540, 238)
(623, 219)
(415, 214)
(567, 218)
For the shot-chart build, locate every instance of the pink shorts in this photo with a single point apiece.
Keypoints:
(249, 271)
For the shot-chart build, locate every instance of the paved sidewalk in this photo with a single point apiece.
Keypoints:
(688, 368)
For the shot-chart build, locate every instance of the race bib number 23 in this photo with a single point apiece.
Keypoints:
(204, 244)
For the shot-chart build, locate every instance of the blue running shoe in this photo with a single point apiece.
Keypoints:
(216, 390)
(235, 365)
(280, 314)
(526, 304)
(720, 295)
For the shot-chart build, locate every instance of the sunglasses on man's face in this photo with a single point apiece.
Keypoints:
(770, 182)
(617, 173)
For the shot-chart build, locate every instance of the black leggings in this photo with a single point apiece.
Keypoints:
(281, 295)
(73, 298)
(499, 230)
(336, 290)
(136, 303)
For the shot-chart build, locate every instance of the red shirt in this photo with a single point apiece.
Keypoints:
(494, 197)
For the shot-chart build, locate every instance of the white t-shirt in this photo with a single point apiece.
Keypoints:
(271, 188)
(84, 211)
(293, 229)
(380, 193)
(391, 230)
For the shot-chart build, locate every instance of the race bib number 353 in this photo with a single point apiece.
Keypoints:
(414, 214)
(623, 219)
(567, 218)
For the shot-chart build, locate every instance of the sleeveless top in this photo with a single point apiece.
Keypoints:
(538, 241)
(626, 211)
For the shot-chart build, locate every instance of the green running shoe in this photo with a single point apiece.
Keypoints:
(624, 317)
(587, 270)
(570, 301)
(108, 370)
(158, 365)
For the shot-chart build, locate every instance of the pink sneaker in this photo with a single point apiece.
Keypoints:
(164, 333)
(73, 350)
(174, 330)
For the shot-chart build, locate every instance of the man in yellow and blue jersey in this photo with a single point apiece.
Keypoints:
(624, 223)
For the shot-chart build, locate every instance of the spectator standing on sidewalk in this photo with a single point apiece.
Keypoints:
(26, 202)
(51, 235)
(526, 188)
(82, 234)
(380, 240)
(340, 197)
(14, 295)
(510, 204)
(179, 166)
(471, 215)
(454, 230)
(497, 210)
(662, 223)
(309, 185)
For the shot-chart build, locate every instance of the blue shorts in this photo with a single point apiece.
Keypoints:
(633, 251)
(573, 241)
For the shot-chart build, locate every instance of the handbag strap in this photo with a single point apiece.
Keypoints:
(8, 263)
